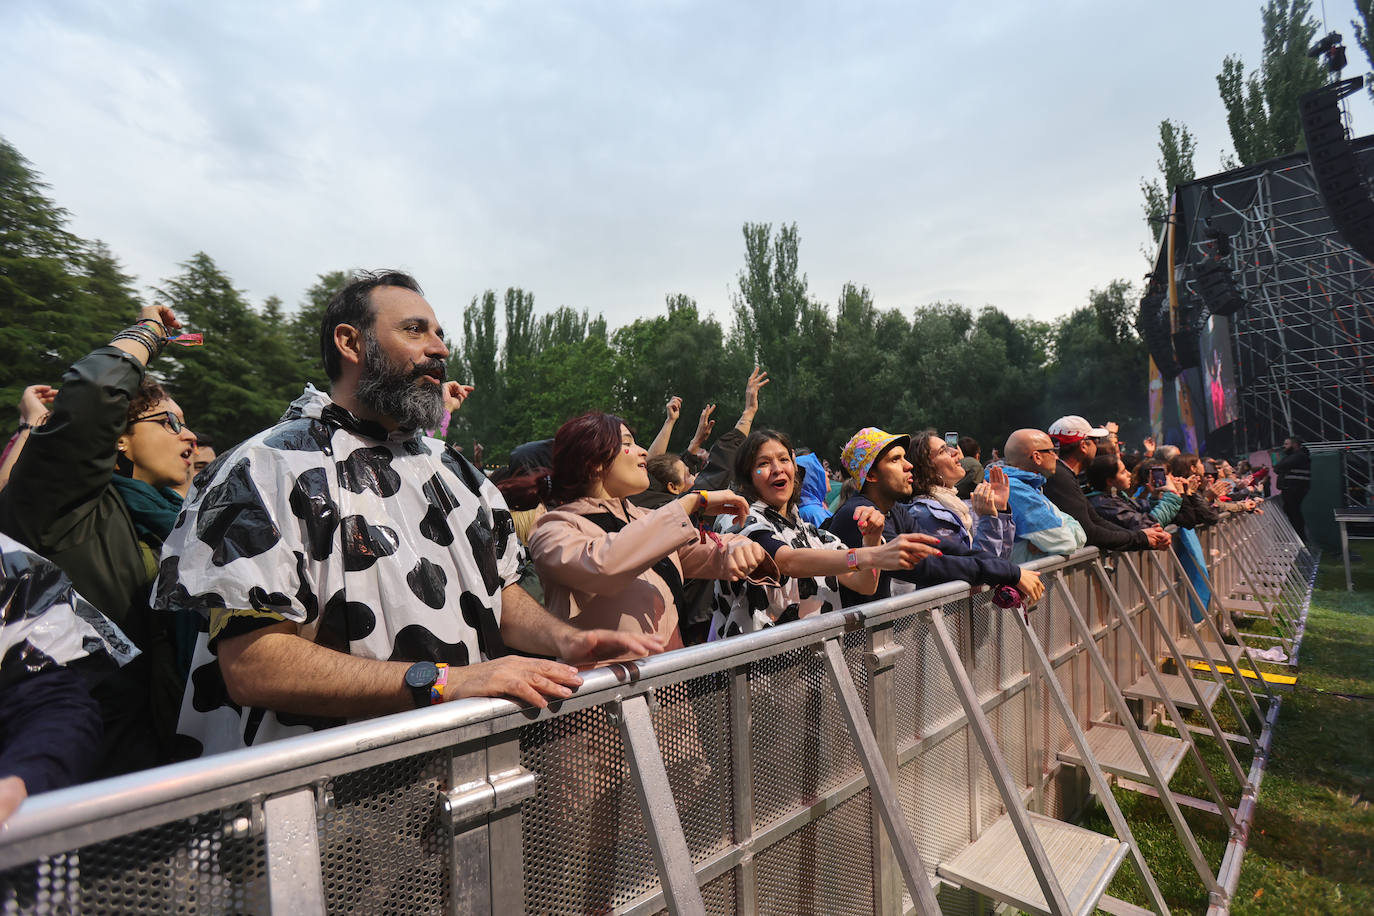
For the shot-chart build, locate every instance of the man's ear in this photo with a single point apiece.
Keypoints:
(349, 341)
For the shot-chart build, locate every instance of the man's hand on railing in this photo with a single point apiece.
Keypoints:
(12, 795)
(1159, 538)
(1030, 586)
(529, 680)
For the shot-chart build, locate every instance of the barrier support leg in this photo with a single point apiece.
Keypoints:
(881, 786)
(661, 822)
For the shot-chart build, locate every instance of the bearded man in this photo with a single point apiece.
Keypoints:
(346, 566)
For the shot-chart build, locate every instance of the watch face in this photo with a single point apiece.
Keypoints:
(422, 674)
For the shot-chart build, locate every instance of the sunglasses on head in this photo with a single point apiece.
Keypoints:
(167, 419)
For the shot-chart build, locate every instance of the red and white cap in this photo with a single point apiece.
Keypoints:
(1071, 429)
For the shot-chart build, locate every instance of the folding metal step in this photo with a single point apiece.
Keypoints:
(1117, 907)
(1111, 745)
(1226, 653)
(1144, 689)
(996, 865)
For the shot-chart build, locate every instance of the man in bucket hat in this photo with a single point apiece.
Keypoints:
(876, 460)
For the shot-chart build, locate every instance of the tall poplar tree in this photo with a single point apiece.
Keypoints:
(1262, 108)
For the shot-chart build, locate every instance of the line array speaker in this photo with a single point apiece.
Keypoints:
(1340, 181)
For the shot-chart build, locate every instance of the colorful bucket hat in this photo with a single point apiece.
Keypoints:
(864, 448)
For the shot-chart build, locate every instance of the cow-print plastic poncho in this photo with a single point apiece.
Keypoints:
(383, 546)
(744, 606)
(45, 624)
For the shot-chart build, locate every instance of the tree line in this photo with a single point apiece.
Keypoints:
(834, 366)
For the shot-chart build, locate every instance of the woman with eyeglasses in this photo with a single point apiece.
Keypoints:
(92, 492)
(983, 521)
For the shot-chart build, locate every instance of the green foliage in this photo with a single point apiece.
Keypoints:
(244, 376)
(1176, 147)
(60, 297)
(1364, 32)
(833, 368)
(1262, 108)
(303, 329)
(1095, 346)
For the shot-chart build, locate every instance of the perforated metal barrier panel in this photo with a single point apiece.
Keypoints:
(437, 811)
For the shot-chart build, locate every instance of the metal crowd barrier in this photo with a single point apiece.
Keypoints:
(825, 766)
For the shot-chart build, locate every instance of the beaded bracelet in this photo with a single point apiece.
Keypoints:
(136, 338)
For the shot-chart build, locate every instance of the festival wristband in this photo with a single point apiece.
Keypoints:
(851, 559)
(436, 690)
(705, 500)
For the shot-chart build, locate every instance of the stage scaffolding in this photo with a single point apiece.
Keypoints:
(1304, 341)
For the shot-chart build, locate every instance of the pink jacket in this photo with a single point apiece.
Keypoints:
(594, 578)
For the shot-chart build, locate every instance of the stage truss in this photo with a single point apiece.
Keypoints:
(1304, 342)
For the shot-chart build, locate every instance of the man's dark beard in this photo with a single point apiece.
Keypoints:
(392, 391)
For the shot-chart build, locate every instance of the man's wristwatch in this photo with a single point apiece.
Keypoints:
(420, 680)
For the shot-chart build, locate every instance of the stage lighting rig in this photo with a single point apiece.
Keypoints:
(1332, 49)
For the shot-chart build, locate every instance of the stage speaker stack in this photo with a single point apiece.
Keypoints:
(1340, 181)
(1217, 287)
(1192, 318)
(1153, 324)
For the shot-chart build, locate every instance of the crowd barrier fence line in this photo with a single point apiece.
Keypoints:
(839, 764)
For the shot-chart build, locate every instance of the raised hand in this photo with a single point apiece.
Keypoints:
(33, 403)
(161, 314)
(757, 379)
(1001, 487)
(907, 550)
(984, 503)
(870, 521)
(704, 425)
(674, 408)
(727, 502)
(455, 394)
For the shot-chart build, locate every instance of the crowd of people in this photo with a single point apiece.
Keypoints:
(341, 564)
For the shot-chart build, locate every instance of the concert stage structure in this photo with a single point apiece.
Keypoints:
(1268, 327)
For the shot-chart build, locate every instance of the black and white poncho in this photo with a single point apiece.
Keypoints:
(744, 606)
(391, 547)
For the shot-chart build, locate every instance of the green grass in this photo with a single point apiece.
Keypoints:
(1311, 846)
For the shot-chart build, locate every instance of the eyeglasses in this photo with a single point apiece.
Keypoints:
(1053, 448)
(167, 419)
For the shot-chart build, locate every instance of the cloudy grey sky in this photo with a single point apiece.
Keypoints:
(604, 154)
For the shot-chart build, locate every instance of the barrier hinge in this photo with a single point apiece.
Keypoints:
(472, 801)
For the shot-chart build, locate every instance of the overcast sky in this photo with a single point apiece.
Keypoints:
(604, 154)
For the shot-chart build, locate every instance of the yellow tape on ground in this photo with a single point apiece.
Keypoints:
(1286, 680)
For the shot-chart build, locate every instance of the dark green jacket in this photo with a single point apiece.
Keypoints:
(60, 503)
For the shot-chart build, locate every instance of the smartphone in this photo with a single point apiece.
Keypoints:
(1158, 476)
(952, 440)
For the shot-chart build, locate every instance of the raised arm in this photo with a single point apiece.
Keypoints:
(757, 379)
(660, 443)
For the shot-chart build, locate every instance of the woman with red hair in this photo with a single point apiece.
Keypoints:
(606, 562)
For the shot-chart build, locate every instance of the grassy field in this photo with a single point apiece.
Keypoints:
(1312, 844)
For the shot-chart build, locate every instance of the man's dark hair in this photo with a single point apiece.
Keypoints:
(664, 470)
(352, 305)
(969, 446)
